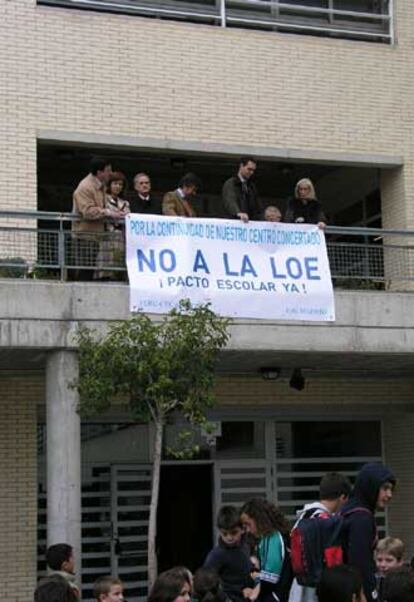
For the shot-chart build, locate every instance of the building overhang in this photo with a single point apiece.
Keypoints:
(303, 155)
(373, 333)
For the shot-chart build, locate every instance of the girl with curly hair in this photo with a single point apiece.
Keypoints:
(268, 525)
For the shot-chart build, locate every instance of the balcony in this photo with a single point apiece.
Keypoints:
(370, 20)
(40, 245)
(41, 306)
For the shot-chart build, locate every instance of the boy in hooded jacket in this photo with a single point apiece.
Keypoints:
(334, 490)
(373, 490)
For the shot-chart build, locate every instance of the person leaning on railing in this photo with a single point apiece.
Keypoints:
(239, 194)
(90, 202)
(179, 202)
(304, 207)
(111, 252)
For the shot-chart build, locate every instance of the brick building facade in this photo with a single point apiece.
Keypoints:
(89, 78)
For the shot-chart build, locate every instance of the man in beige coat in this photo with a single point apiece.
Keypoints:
(90, 202)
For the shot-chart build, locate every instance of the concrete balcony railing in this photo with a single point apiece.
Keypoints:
(41, 245)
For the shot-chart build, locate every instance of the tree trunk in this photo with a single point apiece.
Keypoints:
(152, 526)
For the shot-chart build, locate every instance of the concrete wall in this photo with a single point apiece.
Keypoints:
(46, 315)
(96, 74)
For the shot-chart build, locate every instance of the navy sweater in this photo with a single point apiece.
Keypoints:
(232, 564)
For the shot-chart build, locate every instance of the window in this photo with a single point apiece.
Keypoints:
(363, 20)
(241, 440)
(236, 435)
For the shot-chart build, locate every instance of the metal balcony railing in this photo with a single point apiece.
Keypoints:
(358, 19)
(35, 244)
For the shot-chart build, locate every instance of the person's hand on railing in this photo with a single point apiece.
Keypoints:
(321, 225)
(114, 213)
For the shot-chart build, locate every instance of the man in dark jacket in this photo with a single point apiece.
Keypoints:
(372, 491)
(144, 201)
(240, 198)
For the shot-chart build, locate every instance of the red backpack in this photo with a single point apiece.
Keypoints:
(316, 543)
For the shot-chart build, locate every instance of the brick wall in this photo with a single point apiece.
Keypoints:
(399, 449)
(95, 73)
(336, 393)
(18, 490)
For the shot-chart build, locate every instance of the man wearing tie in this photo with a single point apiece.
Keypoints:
(240, 198)
(178, 202)
(144, 201)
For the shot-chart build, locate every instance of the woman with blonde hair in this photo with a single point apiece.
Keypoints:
(305, 208)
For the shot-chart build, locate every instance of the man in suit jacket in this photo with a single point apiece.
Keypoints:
(144, 201)
(178, 202)
(240, 198)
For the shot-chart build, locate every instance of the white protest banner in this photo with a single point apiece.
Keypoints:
(255, 270)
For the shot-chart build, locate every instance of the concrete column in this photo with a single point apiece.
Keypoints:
(63, 453)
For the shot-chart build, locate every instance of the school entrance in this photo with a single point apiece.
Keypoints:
(283, 461)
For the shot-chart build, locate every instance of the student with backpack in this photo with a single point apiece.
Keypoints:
(334, 490)
(373, 491)
(268, 525)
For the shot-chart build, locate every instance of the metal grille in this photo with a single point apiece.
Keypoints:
(115, 510)
(366, 19)
(131, 491)
(359, 257)
(238, 480)
(23, 249)
(357, 260)
(297, 481)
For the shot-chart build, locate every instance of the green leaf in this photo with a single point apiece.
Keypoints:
(156, 366)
